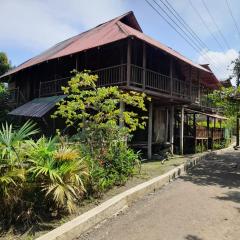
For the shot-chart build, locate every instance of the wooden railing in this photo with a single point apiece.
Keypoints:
(201, 132)
(139, 77)
(116, 75)
(53, 87)
(157, 81)
(194, 94)
(217, 133)
(110, 76)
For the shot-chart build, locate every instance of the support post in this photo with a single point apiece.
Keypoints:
(129, 51)
(171, 76)
(166, 129)
(76, 64)
(195, 131)
(190, 83)
(182, 131)
(199, 87)
(144, 66)
(171, 127)
(207, 132)
(150, 124)
(237, 132)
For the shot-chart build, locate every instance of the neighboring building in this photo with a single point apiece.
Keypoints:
(121, 54)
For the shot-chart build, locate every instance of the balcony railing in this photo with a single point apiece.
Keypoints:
(218, 133)
(201, 132)
(15, 97)
(139, 77)
(157, 81)
(111, 76)
(53, 87)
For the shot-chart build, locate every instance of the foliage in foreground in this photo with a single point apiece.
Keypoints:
(37, 177)
(97, 115)
(46, 178)
(50, 177)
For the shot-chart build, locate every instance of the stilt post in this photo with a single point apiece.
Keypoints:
(129, 51)
(171, 127)
(182, 131)
(150, 124)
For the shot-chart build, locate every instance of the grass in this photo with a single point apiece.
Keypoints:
(149, 169)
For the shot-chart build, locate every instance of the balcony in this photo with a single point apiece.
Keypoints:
(139, 78)
(201, 132)
(117, 76)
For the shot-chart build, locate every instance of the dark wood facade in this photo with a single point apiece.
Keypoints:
(132, 64)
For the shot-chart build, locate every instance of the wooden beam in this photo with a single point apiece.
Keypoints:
(171, 127)
(129, 53)
(207, 131)
(144, 63)
(199, 86)
(190, 82)
(166, 129)
(76, 64)
(181, 131)
(150, 124)
(237, 132)
(195, 131)
(171, 76)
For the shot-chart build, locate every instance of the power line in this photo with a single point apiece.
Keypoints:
(183, 22)
(213, 20)
(192, 38)
(185, 36)
(169, 23)
(188, 28)
(233, 18)
(206, 26)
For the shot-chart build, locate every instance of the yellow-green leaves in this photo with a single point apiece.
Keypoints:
(93, 107)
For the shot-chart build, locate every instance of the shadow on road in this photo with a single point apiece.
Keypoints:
(193, 237)
(233, 196)
(222, 170)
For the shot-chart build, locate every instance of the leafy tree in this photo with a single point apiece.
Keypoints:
(90, 107)
(228, 101)
(225, 100)
(236, 70)
(103, 128)
(5, 64)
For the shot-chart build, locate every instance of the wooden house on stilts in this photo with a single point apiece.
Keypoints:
(121, 54)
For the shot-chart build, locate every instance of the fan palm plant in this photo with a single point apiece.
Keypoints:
(10, 138)
(12, 172)
(60, 171)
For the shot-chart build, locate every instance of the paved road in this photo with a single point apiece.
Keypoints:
(203, 205)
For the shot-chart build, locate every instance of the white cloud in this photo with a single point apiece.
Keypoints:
(220, 63)
(36, 25)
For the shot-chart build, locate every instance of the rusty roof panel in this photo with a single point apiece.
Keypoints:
(116, 29)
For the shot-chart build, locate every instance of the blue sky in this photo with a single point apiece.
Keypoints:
(29, 27)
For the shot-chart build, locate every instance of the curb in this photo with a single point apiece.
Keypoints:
(107, 209)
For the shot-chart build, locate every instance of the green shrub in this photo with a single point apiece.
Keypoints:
(110, 160)
(46, 177)
(59, 171)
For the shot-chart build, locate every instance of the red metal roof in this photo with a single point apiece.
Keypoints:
(116, 29)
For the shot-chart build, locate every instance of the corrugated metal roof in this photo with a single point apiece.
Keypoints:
(108, 32)
(38, 107)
